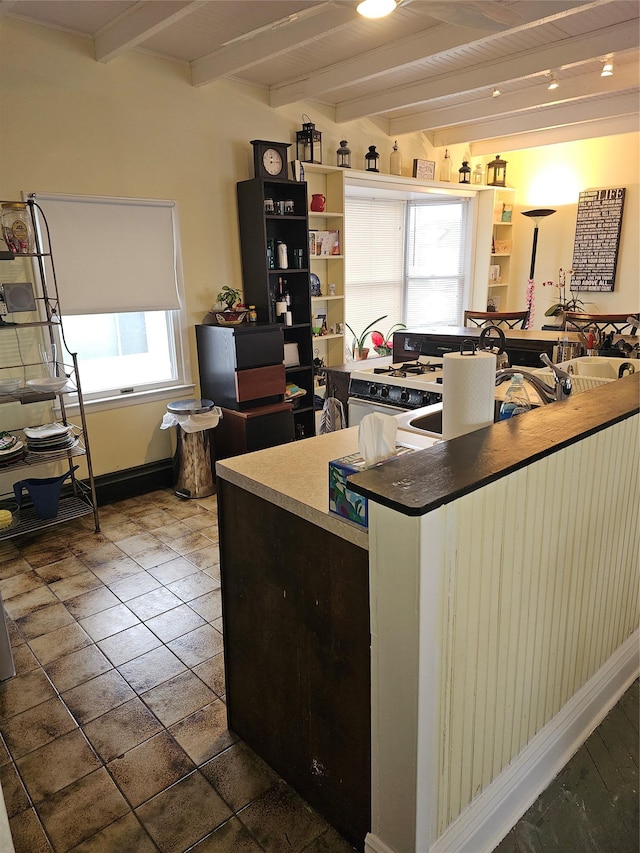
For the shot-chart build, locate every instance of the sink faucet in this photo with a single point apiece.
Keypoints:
(560, 389)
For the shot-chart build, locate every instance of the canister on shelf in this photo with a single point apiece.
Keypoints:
(17, 229)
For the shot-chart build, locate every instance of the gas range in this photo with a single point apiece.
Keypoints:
(404, 385)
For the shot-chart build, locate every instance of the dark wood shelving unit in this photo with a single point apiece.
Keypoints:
(260, 282)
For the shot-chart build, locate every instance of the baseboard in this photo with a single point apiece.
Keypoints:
(132, 482)
(482, 826)
(372, 844)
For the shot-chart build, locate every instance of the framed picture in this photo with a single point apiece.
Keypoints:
(312, 243)
(424, 169)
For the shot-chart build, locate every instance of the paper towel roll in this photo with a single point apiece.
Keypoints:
(468, 391)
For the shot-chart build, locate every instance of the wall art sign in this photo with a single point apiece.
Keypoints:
(597, 240)
(424, 169)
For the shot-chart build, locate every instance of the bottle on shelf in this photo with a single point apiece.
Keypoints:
(516, 400)
(395, 162)
(253, 314)
(445, 169)
(281, 250)
(281, 305)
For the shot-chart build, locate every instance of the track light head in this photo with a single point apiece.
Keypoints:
(607, 68)
(553, 83)
(496, 92)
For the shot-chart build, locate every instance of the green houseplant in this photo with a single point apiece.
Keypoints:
(234, 311)
(360, 351)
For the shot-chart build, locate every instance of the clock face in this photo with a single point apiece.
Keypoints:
(272, 161)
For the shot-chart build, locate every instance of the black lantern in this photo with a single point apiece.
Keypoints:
(464, 173)
(343, 155)
(497, 172)
(372, 157)
(308, 142)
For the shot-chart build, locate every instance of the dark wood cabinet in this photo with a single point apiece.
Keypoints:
(260, 234)
(295, 599)
(242, 371)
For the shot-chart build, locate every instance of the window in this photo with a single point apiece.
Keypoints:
(374, 262)
(119, 275)
(436, 267)
(407, 259)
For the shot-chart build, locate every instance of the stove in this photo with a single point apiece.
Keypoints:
(395, 388)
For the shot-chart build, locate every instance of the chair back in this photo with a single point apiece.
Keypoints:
(510, 319)
(622, 324)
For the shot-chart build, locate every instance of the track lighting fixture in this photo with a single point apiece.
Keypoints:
(607, 68)
(496, 92)
(376, 8)
(553, 83)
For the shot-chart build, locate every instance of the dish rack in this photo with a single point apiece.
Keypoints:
(579, 383)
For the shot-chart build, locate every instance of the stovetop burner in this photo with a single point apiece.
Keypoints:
(409, 368)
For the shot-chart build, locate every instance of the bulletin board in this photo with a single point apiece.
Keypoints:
(597, 240)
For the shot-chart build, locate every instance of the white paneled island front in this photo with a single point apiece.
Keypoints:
(502, 606)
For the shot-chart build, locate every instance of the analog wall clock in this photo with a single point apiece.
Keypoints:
(270, 159)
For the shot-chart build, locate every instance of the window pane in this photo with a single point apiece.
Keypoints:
(116, 351)
(374, 262)
(436, 262)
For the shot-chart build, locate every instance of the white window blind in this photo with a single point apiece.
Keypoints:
(374, 262)
(436, 265)
(113, 254)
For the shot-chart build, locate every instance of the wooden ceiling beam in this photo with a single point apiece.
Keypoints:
(138, 24)
(619, 37)
(433, 42)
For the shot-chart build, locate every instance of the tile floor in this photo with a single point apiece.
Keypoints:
(113, 731)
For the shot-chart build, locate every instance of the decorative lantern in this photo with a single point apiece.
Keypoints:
(308, 142)
(497, 172)
(343, 155)
(464, 173)
(372, 157)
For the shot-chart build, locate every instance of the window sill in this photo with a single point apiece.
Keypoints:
(138, 398)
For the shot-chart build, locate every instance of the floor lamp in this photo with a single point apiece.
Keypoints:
(536, 215)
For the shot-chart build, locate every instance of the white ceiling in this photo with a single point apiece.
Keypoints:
(430, 66)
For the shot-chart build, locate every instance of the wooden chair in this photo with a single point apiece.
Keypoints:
(510, 319)
(622, 324)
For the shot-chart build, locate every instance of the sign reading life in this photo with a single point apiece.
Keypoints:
(597, 240)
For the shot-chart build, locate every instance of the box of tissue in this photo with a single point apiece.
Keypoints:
(342, 501)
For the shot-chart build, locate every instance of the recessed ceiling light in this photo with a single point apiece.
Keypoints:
(376, 8)
(607, 68)
(496, 92)
(553, 83)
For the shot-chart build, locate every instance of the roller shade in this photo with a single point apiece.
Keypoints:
(113, 255)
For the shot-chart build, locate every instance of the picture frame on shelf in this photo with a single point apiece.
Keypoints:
(327, 243)
(425, 170)
(493, 303)
(312, 242)
(495, 273)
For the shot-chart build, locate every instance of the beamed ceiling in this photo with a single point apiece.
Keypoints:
(429, 66)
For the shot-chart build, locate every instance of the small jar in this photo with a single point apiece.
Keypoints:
(253, 314)
(17, 230)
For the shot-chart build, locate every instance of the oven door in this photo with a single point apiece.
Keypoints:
(359, 408)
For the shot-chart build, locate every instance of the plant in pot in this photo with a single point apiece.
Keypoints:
(383, 344)
(358, 348)
(234, 311)
(560, 308)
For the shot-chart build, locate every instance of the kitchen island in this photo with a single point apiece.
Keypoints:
(500, 591)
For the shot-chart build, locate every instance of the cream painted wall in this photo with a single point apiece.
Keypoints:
(553, 177)
(136, 127)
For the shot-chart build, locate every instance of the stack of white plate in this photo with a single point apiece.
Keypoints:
(47, 438)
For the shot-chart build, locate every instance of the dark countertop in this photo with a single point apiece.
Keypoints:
(423, 481)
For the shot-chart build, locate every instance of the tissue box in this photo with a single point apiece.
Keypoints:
(342, 501)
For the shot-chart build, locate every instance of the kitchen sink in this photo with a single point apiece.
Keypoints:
(428, 420)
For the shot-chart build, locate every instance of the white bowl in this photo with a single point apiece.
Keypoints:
(9, 386)
(47, 383)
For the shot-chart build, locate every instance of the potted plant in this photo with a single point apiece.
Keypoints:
(234, 311)
(383, 344)
(560, 308)
(360, 351)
